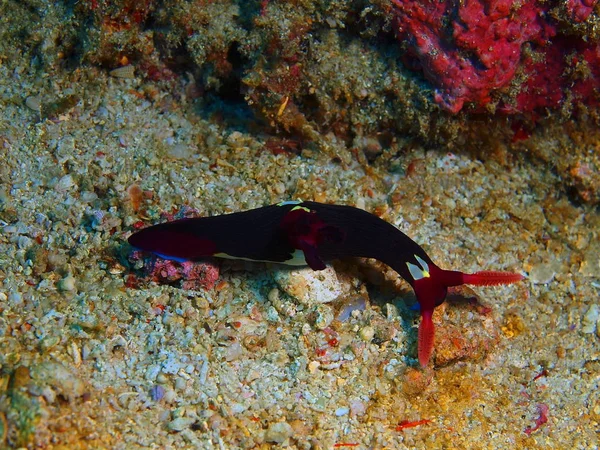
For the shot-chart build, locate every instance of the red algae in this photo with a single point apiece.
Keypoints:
(489, 42)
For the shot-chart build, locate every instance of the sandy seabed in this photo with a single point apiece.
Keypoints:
(104, 348)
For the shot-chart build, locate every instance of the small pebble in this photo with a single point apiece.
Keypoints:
(590, 319)
(34, 103)
(273, 295)
(180, 151)
(49, 394)
(279, 188)
(68, 283)
(180, 384)
(542, 273)
(180, 424)
(357, 408)
(279, 432)
(65, 183)
(157, 392)
(170, 396)
(366, 333)
(313, 366)
(238, 408)
(342, 411)
(15, 299)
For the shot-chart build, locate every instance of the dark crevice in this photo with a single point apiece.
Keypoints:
(226, 102)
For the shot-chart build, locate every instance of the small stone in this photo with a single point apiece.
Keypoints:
(342, 411)
(234, 351)
(279, 188)
(15, 299)
(34, 103)
(543, 273)
(366, 333)
(273, 295)
(68, 283)
(589, 322)
(49, 394)
(279, 432)
(65, 183)
(357, 408)
(313, 366)
(170, 396)
(309, 286)
(238, 408)
(180, 424)
(157, 392)
(180, 151)
(48, 343)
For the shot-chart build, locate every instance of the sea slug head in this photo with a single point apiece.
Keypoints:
(431, 283)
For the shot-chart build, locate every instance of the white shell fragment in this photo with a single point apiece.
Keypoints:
(123, 72)
(309, 287)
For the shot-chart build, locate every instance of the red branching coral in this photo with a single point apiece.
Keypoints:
(473, 48)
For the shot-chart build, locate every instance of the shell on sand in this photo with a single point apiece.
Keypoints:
(123, 72)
